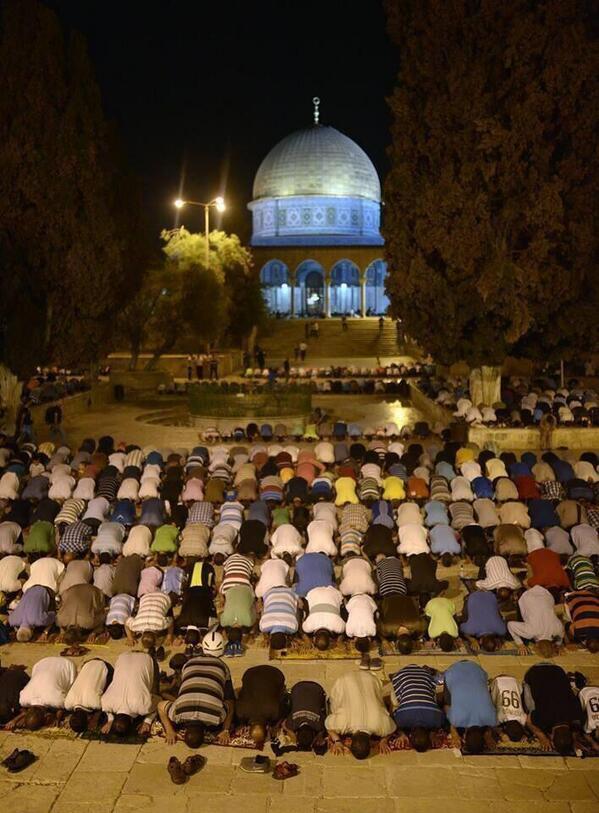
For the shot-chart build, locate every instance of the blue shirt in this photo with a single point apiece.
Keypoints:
(259, 510)
(471, 703)
(382, 513)
(444, 469)
(484, 617)
(124, 512)
(436, 513)
(313, 570)
(483, 488)
(563, 470)
(542, 513)
(443, 540)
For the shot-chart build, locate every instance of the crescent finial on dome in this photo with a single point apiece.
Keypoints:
(316, 103)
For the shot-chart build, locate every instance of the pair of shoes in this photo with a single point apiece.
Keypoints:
(239, 650)
(376, 664)
(230, 650)
(285, 770)
(19, 760)
(181, 771)
(257, 764)
(365, 661)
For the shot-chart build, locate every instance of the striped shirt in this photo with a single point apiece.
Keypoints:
(152, 613)
(583, 608)
(231, 513)
(355, 516)
(134, 458)
(70, 512)
(414, 688)
(389, 575)
(120, 609)
(205, 686)
(280, 611)
(201, 512)
(107, 487)
(237, 569)
(582, 573)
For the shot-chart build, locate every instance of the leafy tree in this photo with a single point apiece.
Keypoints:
(63, 253)
(489, 224)
(185, 301)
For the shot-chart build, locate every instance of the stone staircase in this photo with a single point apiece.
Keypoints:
(362, 339)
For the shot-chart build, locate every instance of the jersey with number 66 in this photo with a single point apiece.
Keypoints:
(589, 700)
(506, 693)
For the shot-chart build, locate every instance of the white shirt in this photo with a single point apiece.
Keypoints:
(461, 490)
(495, 468)
(151, 471)
(319, 619)
(326, 511)
(534, 540)
(497, 574)
(85, 489)
(506, 693)
(585, 540)
(371, 470)
(408, 513)
(128, 489)
(130, 691)
(59, 471)
(149, 489)
(589, 700)
(86, 691)
(9, 533)
(97, 509)
(324, 452)
(320, 538)
(471, 470)
(585, 471)
(286, 539)
(45, 571)
(540, 622)
(356, 704)
(412, 540)
(485, 512)
(273, 573)
(357, 577)
(62, 488)
(117, 459)
(51, 679)
(138, 541)
(361, 622)
(10, 568)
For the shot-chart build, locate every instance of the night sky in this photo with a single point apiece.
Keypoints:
(211, 87)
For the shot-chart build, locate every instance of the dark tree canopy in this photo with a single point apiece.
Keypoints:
(489, 228)
(66, 231)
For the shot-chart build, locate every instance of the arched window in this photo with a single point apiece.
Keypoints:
(274, 276)
(309, 289)
(345, 288)
(377, 301)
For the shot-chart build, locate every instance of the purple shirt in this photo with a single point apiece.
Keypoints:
(33, 610)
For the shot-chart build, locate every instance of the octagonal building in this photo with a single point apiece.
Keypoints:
(316, 226)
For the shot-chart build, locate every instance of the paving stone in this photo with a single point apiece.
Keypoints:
(524, 784)
(543, 763)
(82, 807)
(91, 787)
(584, 807)
(349, 805)
(58, 763)
(291, 804)
(592, 776)
(421, 782)
(30, 798)
(39, 745)
(108, 756)
(478, 787)
(219, 803)
(148, 804)
(254, 783)
(307, 784)
(149, 779)
(474, 806)
(354, 781)
(570, 785)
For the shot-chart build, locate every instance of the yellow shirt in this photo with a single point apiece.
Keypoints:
(464, 454)
(393, 489)
(346, 491)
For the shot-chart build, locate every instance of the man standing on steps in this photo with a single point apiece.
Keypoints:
(381, 323)
(303, 348)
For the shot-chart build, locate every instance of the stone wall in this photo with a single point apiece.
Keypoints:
(565, 437)
(175, 363)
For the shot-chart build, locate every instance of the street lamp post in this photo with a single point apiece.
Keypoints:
(219, 205)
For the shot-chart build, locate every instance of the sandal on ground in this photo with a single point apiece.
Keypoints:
(193, 764)
(257, 764)
(176, 771)
(22, 760)
(376, 664)
(285, 770)
(75, 651)
(10, 758)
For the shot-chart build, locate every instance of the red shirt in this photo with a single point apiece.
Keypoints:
(547, 569)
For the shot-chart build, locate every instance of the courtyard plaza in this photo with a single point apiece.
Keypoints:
(72, 774)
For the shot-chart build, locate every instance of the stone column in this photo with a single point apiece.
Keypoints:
(327, 296)
(363, 294)
(293, 296)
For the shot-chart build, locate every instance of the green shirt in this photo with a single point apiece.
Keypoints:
(441, 612)
(40, 538)
(165, 540)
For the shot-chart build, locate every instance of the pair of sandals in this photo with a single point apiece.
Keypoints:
(262, 764)
(19, 760)
(181, 771)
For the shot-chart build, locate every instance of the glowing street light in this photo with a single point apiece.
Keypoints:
(218, 203)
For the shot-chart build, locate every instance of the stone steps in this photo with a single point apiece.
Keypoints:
(362, 339)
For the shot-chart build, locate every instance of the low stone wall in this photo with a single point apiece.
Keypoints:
(434, 413)
(75, 405)
(566, 437)
(176, 363)
(140, 382)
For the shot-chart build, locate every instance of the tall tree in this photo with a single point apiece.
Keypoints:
(62, 251)
(489, 224)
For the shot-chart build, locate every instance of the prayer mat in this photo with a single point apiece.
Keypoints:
(424, 648)
(470, 584)
(239, 737)
(440, 740)
(507, 648)
(60, 732)
(97, 736)
(529, 747)
(301, 651)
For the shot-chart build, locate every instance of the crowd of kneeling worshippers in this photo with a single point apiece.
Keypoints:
(313, 546)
